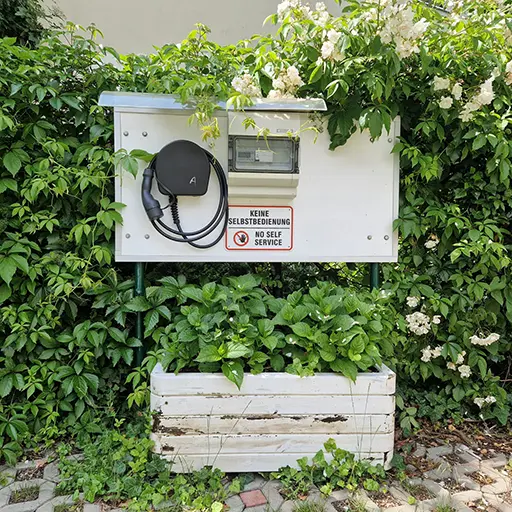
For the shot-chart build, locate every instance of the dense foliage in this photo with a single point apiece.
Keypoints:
(24, 20)
(330, 469)
(67, 311)
(119, 467)
(239, 326)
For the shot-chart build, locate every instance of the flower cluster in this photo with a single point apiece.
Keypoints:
(485, 96)
(293, 7)
(429, 353)
(432, 242)
(465, 371)
(446, 102)
(460, 357)
(321, 16)
(418, 323)
(413, 302)
(441, 84)
(399, 27)
(484, 401)
(246, 85)
(508, 71)
(444, 84)
(286, 84)
(329, 49)
(484, 342)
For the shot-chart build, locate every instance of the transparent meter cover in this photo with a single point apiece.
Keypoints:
(263, 155)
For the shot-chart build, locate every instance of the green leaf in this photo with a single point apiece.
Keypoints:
(7, 269)
(317, 73)
(256, 307)
(479, 142)
(351, 304)
(138, 304)
(20, 262)
(80, 386)
(482, 366)
(458, 393)
(328, 353)
(150, 321)
(358, 344)
(234, 372)
(277, 362)
(12, 162)
(208, 354)
(302, 329)
(193, 292)
(345, 367)
(265, 327)
(474, 235)
(6, 385)
(270, 342)
(343, 323)
(5, 293)
(236, 350)
(72, 101)
(375, 124)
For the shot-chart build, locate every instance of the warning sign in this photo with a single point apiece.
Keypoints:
(260, 228)
(241, 238)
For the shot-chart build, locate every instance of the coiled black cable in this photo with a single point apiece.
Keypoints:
(220, 217)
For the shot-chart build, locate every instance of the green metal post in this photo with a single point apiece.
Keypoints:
(374, 275)
(139, 327)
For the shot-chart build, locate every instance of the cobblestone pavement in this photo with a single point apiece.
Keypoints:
(451, 478)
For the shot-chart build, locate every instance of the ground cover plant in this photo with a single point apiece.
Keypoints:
(67, 310)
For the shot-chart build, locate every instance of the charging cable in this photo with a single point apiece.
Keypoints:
(155, 212)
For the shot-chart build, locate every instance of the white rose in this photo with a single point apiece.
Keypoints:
(445, 102)
(440, 84)
(465, 371)
(413, 302)
(436, 352)
(431, 244)
(426, 354)
(457, 91)
(333, 36)
(479, 401)
(327, 50)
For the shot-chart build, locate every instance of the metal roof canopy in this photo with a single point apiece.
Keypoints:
(119, 99)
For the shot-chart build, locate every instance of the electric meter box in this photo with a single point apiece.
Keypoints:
(291, 199)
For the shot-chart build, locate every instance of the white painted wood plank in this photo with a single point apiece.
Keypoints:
(268, 404)
(246, 463)
(269, 443)
(274, 424)
(167, 384)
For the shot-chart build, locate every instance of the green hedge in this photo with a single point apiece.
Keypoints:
(67, 311)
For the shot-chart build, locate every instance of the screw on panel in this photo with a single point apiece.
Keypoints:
(369, 237)
(127, 235)
(146, 236)
(386, 237)
(390, 139)
(144, 134)
(126, 134)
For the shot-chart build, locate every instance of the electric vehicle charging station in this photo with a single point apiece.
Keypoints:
(286, 198)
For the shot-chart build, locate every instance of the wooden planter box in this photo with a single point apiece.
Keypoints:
(275, 419)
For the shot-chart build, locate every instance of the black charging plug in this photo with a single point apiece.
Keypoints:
(151, 205)
(182, 169)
